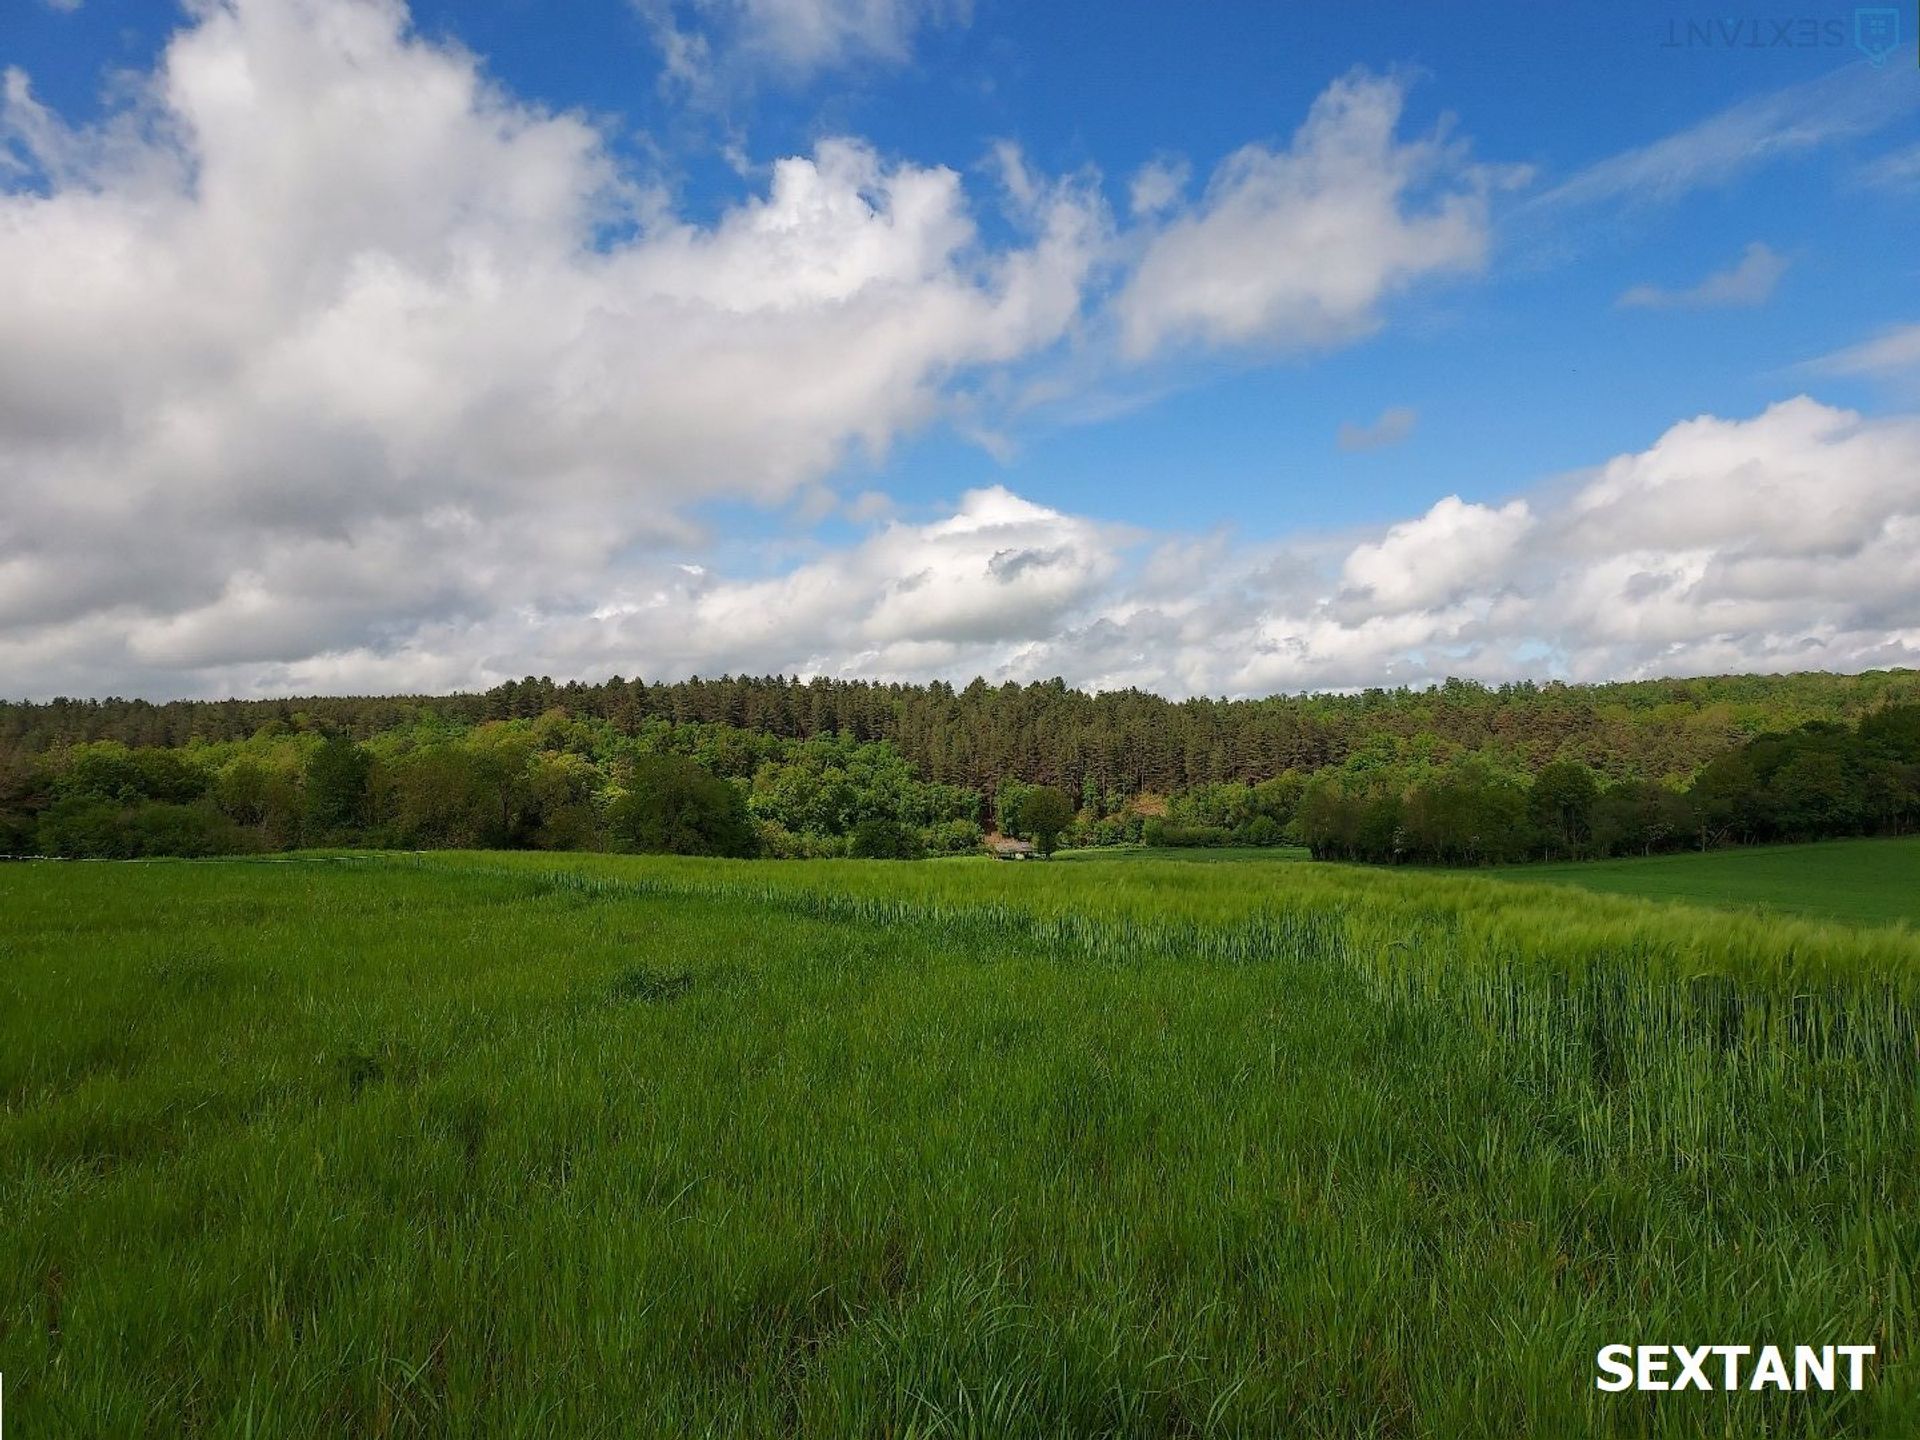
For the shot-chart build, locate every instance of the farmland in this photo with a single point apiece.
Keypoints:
(499, 1144)
(1865, 881)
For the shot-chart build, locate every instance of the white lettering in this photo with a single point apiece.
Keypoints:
(1612, 1361)
(1654, 1367)
(1730, 1373)
(1771, 1370)
(1811, 1364)
(1693, 1373)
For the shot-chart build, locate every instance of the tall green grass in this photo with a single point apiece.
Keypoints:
(523, 1145)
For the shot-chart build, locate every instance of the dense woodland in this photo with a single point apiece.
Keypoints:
(1458, 774)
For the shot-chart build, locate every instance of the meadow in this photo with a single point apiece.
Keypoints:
(1873, 882)
(529, 1145)
(1194, 855)
(1864, 882)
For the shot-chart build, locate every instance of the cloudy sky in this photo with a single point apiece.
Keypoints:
(1226, 349)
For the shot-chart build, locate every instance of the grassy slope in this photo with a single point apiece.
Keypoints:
(1870, 881)
(1222, 854)
(526, 1145)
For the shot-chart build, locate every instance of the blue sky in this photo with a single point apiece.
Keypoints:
(1583, 228)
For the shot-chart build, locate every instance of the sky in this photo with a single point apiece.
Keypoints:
(1230, 349)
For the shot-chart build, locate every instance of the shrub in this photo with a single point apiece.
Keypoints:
(884, 840)
(82, 828)
(675, 807)
(952, 837)
(1260, 830)
(1043, 812)
(1162, 832)
(189, 830)
(336, 792)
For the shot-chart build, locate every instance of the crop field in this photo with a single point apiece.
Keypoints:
(1873, 882)
(1221, 855)
(523, 1145)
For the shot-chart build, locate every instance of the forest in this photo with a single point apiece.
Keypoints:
(1460, 774)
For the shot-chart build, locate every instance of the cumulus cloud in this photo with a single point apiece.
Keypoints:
(1750, 281)
(1787, 540)
(330, 366)
(1454, 549)
(1296, 248)
(1394, 427)
(325, 342)
(1000, 570)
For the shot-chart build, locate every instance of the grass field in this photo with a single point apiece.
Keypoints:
(1875, 882)
(530, 1145)
(1202, 855)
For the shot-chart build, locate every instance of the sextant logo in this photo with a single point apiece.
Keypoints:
(1731, 1367)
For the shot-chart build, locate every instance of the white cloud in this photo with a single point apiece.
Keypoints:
(323, 373)
(320, 347)
(1788, 540)
(1898, 170)
(1750, 281)
(707, 43)
(1394, 426)
(1157, 186)
(998, 570)
(1297, 248)
(1453, 549)
(1851, 101)
(1890, 353)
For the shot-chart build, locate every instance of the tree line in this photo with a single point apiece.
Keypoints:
(1819, 781)
(1459, 774)
(1111, 744)
(554, 783)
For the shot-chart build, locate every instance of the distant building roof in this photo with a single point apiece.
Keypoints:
(1007, 845)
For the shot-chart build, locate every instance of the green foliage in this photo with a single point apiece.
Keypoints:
(830, 785)
(1158, 833)
(953, 837)
(110, 771)
(262, 798)
(112, 803)
(1561, 803)
(1260, 830)
(1463, 791)
(675, 807)
(82, 827)
(1112, 745)
(1043, 813)
(336, 788)
(156, 828)
(1819, 781)
(878, 839)
(1008, 799)
(79, 827)
(1640, 816)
